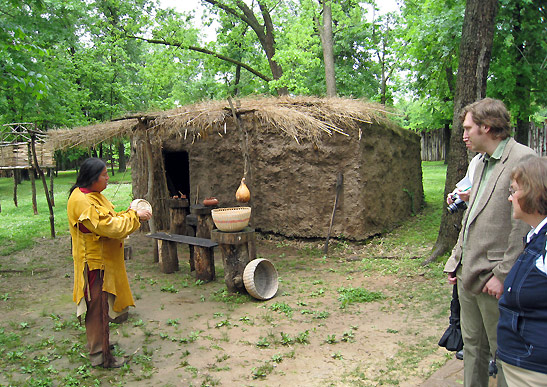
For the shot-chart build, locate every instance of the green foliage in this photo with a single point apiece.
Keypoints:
(22, 221)
(283, 308)
(262, 371)
(430, 54)
(350, 296)
(70, 63)
(223, 295)
(518, 64)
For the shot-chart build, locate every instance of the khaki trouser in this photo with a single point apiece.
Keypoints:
(479, 320)
(520, 377)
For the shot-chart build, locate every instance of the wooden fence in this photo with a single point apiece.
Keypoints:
(433, 145)
(433, 142)
(537, 138)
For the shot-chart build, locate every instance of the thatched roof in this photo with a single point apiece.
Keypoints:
(302, 118)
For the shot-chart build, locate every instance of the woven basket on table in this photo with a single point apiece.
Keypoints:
(231, 219)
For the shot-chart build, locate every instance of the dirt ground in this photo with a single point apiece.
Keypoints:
(184, 333)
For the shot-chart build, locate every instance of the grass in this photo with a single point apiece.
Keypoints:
(20, 227)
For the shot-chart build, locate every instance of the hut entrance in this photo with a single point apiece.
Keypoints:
(177, 173)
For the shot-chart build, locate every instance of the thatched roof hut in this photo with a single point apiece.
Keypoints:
(290, 150)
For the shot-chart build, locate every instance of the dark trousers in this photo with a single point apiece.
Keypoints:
(94, 316)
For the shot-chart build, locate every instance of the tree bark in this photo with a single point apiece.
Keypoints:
(325, 33)
(122, 162)
(521, 131)
(446, 138)
(475, 54)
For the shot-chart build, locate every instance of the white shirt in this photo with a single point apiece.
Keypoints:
(540, 262)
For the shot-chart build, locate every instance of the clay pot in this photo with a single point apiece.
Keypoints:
(210, 202)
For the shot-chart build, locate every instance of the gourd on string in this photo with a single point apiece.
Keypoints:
(243, 195)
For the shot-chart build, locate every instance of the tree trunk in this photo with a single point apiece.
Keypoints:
(111, 159)
(522, 92)
(325, 33)
(15, 182)
(475, 54)
(122, 166)
(446, 138)
(522, 129)
(33, 187)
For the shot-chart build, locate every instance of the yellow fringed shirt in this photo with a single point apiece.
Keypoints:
(102, 248)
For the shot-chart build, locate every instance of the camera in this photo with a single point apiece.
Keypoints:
(458, 204)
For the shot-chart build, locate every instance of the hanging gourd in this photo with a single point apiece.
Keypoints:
(243, 195)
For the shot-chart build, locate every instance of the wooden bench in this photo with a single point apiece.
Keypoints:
(203, 254)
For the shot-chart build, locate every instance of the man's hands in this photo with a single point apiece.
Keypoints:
(494, 287)
(464, 195)
(144, 214)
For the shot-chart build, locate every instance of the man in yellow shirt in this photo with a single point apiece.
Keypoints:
(101, 287)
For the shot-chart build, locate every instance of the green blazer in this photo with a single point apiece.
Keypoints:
(494, 239)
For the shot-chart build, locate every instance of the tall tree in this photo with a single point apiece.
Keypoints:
(325, 33)
(519, 63)
(474, 62)
(430, 56)
(264, 29)
(385, 41)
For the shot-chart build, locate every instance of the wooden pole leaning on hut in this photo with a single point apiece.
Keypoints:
(339, 184)
(51, 196)
(41, 174)
(156, 194)
(32, 180)
(165, 251)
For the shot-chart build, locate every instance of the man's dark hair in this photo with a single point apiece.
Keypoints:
(492, 113)
(90, 170)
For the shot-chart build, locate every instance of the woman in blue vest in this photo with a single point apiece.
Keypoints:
(522, 327)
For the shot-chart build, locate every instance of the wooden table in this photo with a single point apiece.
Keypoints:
(237, 250)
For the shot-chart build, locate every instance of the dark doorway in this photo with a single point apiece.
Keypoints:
(177, 173)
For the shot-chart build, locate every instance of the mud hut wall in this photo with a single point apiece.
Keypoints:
(216, 167)
(391, 177)
(298, 182)
(293, 185)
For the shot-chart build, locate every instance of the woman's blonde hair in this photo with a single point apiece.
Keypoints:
(531, 176)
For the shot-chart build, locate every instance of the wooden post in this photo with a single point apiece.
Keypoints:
(236, 254)
(191, 224)
(204, 260)
(168, 264)
(51, 196)
(15, 177)
(178, 209)
(41, 173)
(33, 188)
(32, 180)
